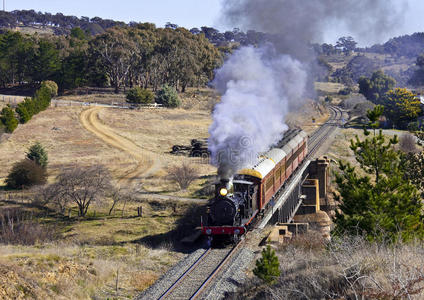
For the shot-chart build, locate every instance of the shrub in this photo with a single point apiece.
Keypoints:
(37, 154)
(51, 86)
(24, 114)
(407, 143)
(18, 227)
(168, 97)
(24, 174)
(183, 175)
(42, 99)
(140, 96)
(8, 119)
(267, 267)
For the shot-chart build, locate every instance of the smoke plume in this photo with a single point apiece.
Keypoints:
(257, 86)
(296, 23)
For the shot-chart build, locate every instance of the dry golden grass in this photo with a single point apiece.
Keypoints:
(157, 131)
(346, 268)
(329, 87)
(35, 29)
(84, 262)
(95, 98)
(66, 271)
(66, 141)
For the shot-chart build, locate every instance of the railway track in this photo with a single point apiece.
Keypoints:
(197, 278)
(322, 133)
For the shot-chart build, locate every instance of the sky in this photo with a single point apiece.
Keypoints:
(186, 13)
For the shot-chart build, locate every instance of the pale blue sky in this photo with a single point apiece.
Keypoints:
(186, 13)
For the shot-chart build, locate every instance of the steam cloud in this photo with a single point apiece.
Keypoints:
(259, 85)
(296, 23)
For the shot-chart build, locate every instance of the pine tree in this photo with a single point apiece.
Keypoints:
(8, 119)
(37, 154)
(168, 97)
(382, 203)
(267, 267)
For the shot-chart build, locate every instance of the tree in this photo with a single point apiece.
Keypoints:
(140, 96)
(417, 77)
(413, 165)
(376, 87)
(22, 110)
(183, 175)
(51, 86)
(78, 33)
(118, 195)
(168, 97)
(401, 106)
(114, 50)
(267, 267)
(38, 154)
(84, 185)
(25, 174)
(346, 44)
(381, 203)
(8, 119)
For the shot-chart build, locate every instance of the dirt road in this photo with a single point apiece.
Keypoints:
(147, 164)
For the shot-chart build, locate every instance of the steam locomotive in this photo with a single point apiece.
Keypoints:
(238, 205)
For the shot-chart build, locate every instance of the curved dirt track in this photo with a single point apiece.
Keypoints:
(146, 162)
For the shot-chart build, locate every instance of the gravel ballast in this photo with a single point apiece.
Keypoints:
(163, 283)
(232, 277)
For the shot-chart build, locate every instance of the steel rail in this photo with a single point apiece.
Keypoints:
(185, 274)
(215, 272)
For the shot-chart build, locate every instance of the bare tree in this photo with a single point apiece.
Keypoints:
(183, 175)
(407, 143)
(84, 186)
(118, 195)
(52, 194)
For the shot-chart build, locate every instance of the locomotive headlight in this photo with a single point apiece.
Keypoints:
(223, 192)
(208, 231)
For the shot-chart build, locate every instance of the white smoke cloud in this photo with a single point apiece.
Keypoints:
(257, 87)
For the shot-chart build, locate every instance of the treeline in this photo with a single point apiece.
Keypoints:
(407, 45)
(122, 56)
(25, 110)
(60, 23)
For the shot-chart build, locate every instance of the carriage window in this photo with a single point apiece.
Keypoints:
(269, 183)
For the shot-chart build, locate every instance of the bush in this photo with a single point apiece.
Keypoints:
(25, 173)
(8, 119)
(140, 96)
(51, 86)
(183, 175)
(345, 268)
(168, 97)
(18, 227)
(42, 99)
(37, 154)
(407, 143)
(267, 267)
